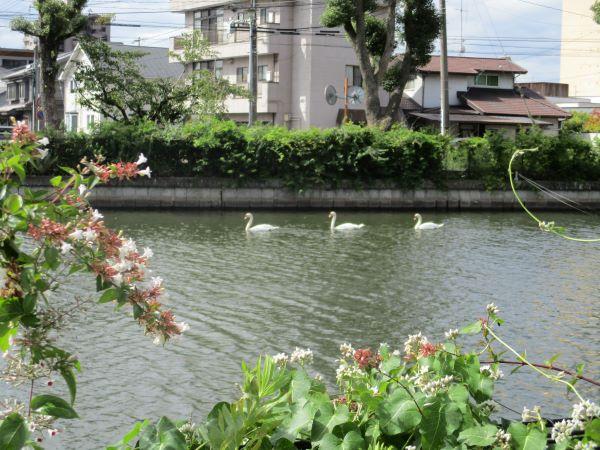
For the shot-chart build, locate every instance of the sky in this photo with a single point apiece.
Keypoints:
(527, 30)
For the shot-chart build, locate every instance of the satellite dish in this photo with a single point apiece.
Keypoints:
(356, 95)
(331, 96)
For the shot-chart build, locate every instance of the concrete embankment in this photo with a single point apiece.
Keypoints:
(222, 194)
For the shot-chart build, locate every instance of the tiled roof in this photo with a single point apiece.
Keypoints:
(155, 62)
(511, 103)
(476, 118)
(471, 66)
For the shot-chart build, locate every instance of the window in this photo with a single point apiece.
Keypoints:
(22, 91)
(268, 16)
(13, 92)
(214, 66)
(91, 119)
(263, 73)
(210, 23)
(219, 68)
(354, 76)
(241, 75)
(487, 80)
(205, 65)
(71, 120)
(72, 86)
(241, 16)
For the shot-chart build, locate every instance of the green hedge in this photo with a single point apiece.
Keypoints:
(299, 158)
(566, 157)
(311, 157)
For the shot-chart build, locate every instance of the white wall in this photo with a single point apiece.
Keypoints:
(427, 92)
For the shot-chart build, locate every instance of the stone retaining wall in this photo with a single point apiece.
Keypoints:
(221, 194)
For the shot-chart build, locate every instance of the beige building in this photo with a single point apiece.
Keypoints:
(580, 49)
(295, 62)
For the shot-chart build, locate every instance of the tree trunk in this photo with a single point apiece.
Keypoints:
(49, 74)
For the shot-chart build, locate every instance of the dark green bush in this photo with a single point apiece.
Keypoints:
(303, 158)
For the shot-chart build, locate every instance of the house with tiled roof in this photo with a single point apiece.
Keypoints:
(483, 97)
(153, 63)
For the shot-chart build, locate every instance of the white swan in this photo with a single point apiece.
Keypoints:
(343, 226)
(426, 225)
(257, 228)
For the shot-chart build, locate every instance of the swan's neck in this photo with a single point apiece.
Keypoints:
(419, 220)
(249, 224)
(333, 222)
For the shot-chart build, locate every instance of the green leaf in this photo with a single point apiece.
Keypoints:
(54, 406)
(398, 413)
(592, 430)
(13, 432)
(13, 203)
(454, 417)
(326, 418)
(56, 181)
(6, 331)
(132, 434)
(163, 436)
(69, 378)
(353, 441)
(433, 426)
(108, 296)
(474, 328)
(525, 438)
(479, 436)
(52, 257)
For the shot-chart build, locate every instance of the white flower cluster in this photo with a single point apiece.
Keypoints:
(529, 415)
(565, 428)
(302, 356)
(434, 386)
(591, 445)
(280, 359)
(347, 350)
(582, 412)
(410, 447)
(414, 343)
(494, 373)
(346, 371)
(503, 439)
(585, 410)
(451, 334)
(492, 309)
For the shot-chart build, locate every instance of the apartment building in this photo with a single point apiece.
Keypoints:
(295, 61)
(580, 49)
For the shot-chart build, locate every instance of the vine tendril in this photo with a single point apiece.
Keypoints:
(549, 227)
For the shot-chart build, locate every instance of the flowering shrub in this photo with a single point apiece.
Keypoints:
(46, 237)
(429, 395)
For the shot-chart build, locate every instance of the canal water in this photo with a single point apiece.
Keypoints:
(304, 286)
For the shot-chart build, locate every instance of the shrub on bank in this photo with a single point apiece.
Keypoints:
(302, 158)
(298, 158)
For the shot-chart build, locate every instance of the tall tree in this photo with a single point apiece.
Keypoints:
(376, 30)
(114, 85)
(57, 20)
(596, 10)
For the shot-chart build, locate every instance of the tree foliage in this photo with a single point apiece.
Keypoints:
(57, 20)
(596, 10)
(113, 85)
(376, 32)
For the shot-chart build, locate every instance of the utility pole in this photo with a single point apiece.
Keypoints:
(34, 84)
(252, 66)
(445, 104)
